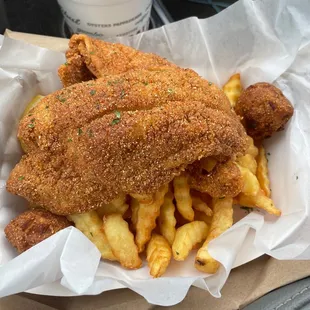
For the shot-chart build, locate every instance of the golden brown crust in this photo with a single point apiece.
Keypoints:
(75, 106)
(126, 133)
(32, 227)
(145, 150)
(225, 180)
(89, 57)
(264, 109)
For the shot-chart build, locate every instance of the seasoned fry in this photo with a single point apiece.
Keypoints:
(167, 221)
(200, 205)
(183, 197)
(118, 205)
(262, 171)
(186, 237)
(233, 89)
(248, 161)
(221, 221)
(146, 218)
(250, 182)
(201, 216)
(122, 241)
(134, 205)
(252, 149)
(158, 255)
(260, 201)
(91, 226)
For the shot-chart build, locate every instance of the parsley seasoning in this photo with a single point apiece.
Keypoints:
(170, 91)
(80, 131)
(91, 233)
(21, 178)
(92, 53)
(222, 197)
(177, 253)
(210, 83)
(145, 83)
(70, 140)
(61, 99)
(117, 117)
(66, 64)
(268, 154)
(90, 133)
(31, 125)
(92, 92)
(122, 94)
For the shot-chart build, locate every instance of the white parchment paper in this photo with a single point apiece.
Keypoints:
(264, 40)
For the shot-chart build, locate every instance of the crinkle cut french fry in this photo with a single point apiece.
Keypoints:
(260, 201)
(250, 182)
(200, 205)
(158, 255)
(146, 218)
(233, 89)
(201, 216)
(183, 197)
(248, 161)
(221, 221)
(186, 237)
(167, 221)
(122, 241)
(262, 171)
(91, 226)
(118, 205)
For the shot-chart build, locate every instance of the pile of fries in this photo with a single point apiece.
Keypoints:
(177, 219)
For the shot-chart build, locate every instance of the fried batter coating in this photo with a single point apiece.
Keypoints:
(264, 109)
(32, 227)
(143, 150)
(76, 106)
(88, 58)
(225, 180)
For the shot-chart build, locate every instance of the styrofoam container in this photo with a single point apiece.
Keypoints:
(106, 18)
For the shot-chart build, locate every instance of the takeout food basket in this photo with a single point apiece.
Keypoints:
(217, 50)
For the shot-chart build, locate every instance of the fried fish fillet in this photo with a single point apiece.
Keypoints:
(32, 227)
(135, 151)
(79, 104)
(128, 133)
(89, 58)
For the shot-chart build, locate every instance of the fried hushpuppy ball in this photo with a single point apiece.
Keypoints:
(225, 180)
(264, 109)
(32, 227)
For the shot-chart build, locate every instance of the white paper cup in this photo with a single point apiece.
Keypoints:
(106, 18)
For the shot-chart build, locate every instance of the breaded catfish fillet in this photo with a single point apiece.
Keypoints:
(135, 151)
(89, 58)
(32, 227)
(77, 105)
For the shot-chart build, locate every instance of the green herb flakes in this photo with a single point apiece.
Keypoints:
(170, 91)
(210, 83)
(31, 125)
(80, 131)
(92, 53)
(21, 178)
(90, 133)
(93, 92)
(123, 94)
(66, 64)
(70, 140)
